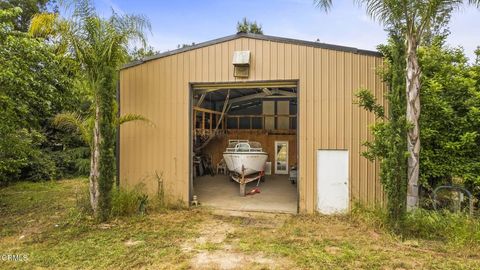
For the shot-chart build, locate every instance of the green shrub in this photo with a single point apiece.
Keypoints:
(73, 161)
(128, 202)
(124, 202)
(40, 167)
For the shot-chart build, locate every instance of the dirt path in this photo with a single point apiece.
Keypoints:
(217, 246)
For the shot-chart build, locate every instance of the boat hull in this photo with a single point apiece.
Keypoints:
(250, 162)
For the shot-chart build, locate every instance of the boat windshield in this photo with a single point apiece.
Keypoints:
(244, 146)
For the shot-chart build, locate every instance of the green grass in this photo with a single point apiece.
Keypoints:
(208, 246)
(315, 241)
(43, 221)
(457, 229)
(453, 229)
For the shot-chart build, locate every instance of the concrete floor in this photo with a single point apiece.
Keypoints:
(277, 194)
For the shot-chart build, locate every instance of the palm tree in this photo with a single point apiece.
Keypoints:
(100, 47)
(416, 19)
(83, 126)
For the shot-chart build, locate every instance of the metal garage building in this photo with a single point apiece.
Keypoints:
(329, 127)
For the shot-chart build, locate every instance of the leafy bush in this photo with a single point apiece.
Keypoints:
(450, 118)
(40, 166)
(129, 202)
(35, 84)
(72, 162)
(450, 123)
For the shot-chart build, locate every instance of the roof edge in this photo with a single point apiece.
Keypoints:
(254, 36)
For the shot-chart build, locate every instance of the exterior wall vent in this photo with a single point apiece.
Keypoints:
(241, 64)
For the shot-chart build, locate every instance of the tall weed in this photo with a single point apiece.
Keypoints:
(454, 228)
(128, 202)
(457, 229)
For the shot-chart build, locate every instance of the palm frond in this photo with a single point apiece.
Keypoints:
(133, 117)
(385, 11)
(72, 121)
(43, 25)
(83, 9)
(475, 3)
(325, 5)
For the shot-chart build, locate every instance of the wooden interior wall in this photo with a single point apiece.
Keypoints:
(217, 146)
(268, 107)
(328, 117)
(283, 107)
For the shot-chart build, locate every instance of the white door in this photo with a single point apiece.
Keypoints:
(332, 181)
(281, 157)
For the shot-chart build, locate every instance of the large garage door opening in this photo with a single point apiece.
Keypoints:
(244, 146)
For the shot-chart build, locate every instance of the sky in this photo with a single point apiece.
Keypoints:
(186, 21)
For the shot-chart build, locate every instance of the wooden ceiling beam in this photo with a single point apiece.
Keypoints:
(266, 91)
(200, 100)
(248, 97)
(284, 93)
(263, 95)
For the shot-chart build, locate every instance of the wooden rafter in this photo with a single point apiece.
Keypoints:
(266, 91)
(200, 100)
(274, 93)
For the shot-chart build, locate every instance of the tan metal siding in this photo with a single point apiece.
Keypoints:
(328, 119)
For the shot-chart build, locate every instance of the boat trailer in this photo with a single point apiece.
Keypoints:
(243, 179)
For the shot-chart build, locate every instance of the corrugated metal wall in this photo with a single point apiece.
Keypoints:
(328, 119)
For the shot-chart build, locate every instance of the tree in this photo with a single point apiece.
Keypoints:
(246, 26)
(29, 8)
(450, 118)
(35, 85)
(101, 47)
(416, 19)
(82, 126)
(137, 54)
(389, 145)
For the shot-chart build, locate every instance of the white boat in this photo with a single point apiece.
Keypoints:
(244, 157)
(246, 162)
